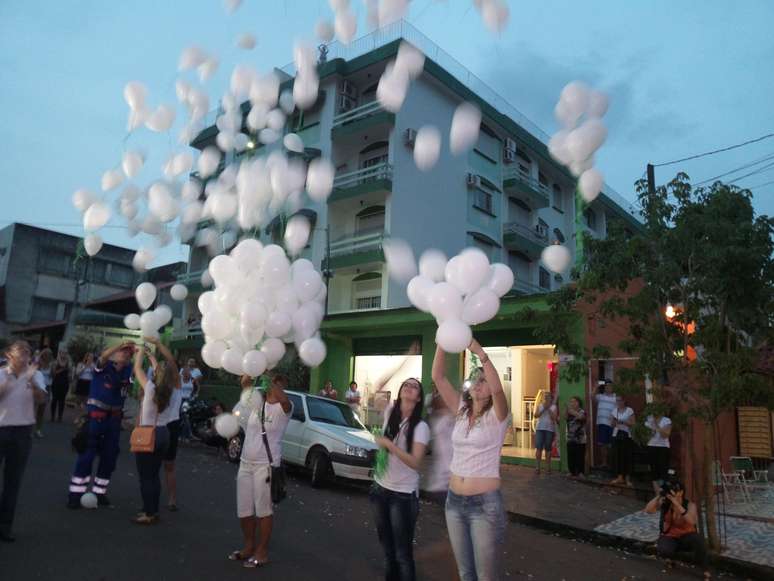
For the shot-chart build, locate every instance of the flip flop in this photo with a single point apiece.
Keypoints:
(236, 556)
(253, 563)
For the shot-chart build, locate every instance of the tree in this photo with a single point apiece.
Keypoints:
(695, 286)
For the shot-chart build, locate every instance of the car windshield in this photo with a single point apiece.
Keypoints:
(330, 412)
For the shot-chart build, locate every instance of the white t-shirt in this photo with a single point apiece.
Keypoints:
(172, 413)
(657, 440)
(17, 402)
(605, 407)
(545, 421)
(399, 477)
(188, 386)
(276, 421)
(85, 372)
(476, 451)
(350, 394)
(150, 414)
(622, 416)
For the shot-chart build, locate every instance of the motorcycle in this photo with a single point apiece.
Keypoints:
(197, 414)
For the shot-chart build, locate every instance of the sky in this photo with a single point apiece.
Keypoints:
(683, 78)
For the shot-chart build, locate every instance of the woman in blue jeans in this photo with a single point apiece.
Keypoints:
(395, 494)
(475, 516)
(154, 411)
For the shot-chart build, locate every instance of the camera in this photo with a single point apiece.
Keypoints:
(670, 485)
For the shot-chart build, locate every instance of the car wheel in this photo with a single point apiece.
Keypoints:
(321, 469)
(234, 449)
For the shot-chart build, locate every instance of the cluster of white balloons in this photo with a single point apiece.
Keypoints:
(260, 302)
(580, 111)
(459, 292)
(150, 321)
(494, 13)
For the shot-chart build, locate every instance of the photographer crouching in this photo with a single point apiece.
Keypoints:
(677, 523)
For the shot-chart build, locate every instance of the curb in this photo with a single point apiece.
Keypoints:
(727, 564)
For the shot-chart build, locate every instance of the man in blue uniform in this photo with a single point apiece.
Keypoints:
(108, 390)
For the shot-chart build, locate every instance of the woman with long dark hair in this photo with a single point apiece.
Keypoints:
(155, 395)
(475, 516)
(60, 384)
(395, 494)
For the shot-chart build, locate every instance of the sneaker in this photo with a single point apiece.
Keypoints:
(103, 500)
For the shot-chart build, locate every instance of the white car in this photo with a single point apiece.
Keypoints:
(324, 436)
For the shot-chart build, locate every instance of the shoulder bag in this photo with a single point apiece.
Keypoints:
(278, 481)
(143, 438)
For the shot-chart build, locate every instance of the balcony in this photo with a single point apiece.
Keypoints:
(519, 183)
(529, 240)
(362, 117)
(523, 288)
(362, 248)
(377, 178)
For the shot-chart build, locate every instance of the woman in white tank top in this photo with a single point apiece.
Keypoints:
(475, 516)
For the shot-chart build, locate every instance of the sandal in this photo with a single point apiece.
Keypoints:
(253, 563)
(236, 556)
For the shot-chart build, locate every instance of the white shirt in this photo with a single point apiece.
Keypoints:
(188, 386)
(86, 372)
(276, 421)
(17, 402)
(351, 393)
(545, 422)
(605, 407)
(476, 451)
(150, 412)
(438, 473)
(172, 413)
(657, 440)
(399, 477)
(622, 416)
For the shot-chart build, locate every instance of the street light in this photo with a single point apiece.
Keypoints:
(670, 312)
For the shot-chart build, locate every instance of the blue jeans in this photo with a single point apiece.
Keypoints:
(476, 527)
(395, 514)
(148, 468)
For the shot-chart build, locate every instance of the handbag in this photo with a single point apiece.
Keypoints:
(279, 487)
(143, 438)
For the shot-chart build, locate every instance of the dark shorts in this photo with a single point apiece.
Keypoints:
(659, 462)
(604, 434)
(544, 440)
(174, 436)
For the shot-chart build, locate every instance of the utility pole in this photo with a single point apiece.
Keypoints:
(327, 270)
(651, 179)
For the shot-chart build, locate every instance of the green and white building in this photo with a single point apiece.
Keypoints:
(507, 196)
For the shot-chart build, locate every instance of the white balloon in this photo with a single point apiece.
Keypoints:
(410, 59)
(401, 264)
(161, 119)
(208, 68)
(82, 199)
(500, 279)
(418, 291)
(232, 361)
(206, 279)
(275, 120)
(392, 88)
(432, 264)
(274, 349)
(163, 314)
(92, 244)
(134, 94)
(111, 179)
(453, 274)
(212, 353)
(276, 270)
(254, 363)
(149, 324)
(231, 6)
(590, 184)
(574, 100)
(191, 213)
(306, 89)
(324, 30)
(89, 500)
(297, 233)
(141, 259)
(217, 325)
(246, 41)
(247, 254)
(190, 58)
(338, 5)
(286, 101)
(345, 26)
(427, 147)
(473, 270)
(305, 322)
(267, 136)
(319, 179)
(278, 324)
(161, 203)
(96, 216)
(265, 89)
(132, 162)
(583, 141)
(557, 147)
(495, 14)
(480, 307)
(191, 191)
(293, 143)
(253, 314)
(578, 167)
(444, 301)
(453, 336)
(132, 321)
(227, 425)
(206, 302)
(178, 292)
(208, 161)
(465, 127)
(312, 352)
(286, 300)
(597, 105)
(556, 257)
(300, 265)
(145, 293)
(137, 118)
(307, 284)
(223, 270)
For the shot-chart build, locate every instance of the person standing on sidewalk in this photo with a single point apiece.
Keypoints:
(605, 401)
(353, 398)
(22, 388)
(84, 373)
(190, 375)
(658, 448)
(329, 391)
(46, 368)
(155, 396)
(60, 384)
(576, 437)
(547, 416)
(395, 494)
(107, 393)
(475, 516)
(623, 419)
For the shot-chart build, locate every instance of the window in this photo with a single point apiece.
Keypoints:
(54, 261)
(370, 220)
(590, 217)
(367, 291)
(525, 163)
(483, 200)
(542, 228)
(519, 264)
(545, 279)
(558, 202)
(558, 235)
(519, 212)
(334, 413)
(542, 181)
(44, 310)
(121, 275)
(298, 408)
(97, 271)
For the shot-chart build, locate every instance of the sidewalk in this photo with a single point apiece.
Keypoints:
(595, 510)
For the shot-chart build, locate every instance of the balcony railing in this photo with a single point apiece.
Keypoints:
(527, 288)
(382, 171)
(519, 174)
(357, 113)
(190, 277)
(363, 242)
(534, 233)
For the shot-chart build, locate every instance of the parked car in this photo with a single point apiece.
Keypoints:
(324, 436)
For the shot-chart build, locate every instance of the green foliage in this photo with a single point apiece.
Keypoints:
(79, 345)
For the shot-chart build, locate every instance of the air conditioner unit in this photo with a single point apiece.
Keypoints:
(474, 181)
(409, 136)
(509, 155)
(510, 145)
(345, 103)
(541, 230)
(349, 89)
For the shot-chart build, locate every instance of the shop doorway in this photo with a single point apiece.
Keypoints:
(370, 370)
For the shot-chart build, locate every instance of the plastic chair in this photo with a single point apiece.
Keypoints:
(730, 483)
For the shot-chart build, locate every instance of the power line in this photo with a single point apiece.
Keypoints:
(740, 168)
(730, 147)
(760, 185)
(766, 167)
